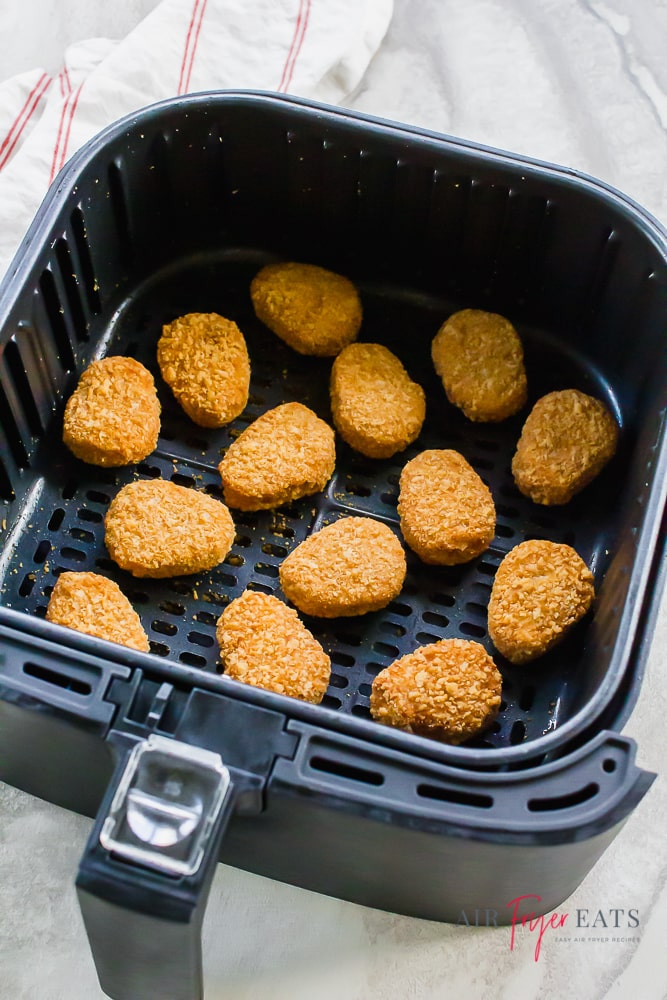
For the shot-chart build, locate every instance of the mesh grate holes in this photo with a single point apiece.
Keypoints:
(431, 618)
(393, 628)
(338, 681)
(385, 649)
(517, 732)
(192, 659)
(164, 628)
(42, 551)
(95, 495)
(472, 630)
(92, 516)
(342, 659)
(27, 583)
(172, 608)
(424, 638)
(200, 639)
(206, 618)
(81, 535)
(56, 519)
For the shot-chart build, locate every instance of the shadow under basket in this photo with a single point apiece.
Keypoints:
(173, 211)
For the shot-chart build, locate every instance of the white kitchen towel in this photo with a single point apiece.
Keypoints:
(312, 48)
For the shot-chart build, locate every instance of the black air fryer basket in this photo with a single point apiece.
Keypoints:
(174, 211)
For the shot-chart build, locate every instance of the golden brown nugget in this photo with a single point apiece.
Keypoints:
(352, 566)
(285, 454)
(377, 408)
(565, 442)
(204, 360)
(449, 690)
(479, 357)
(155, 528)
(540, 591)
(265, 643)
(313, 310)
(93, 604)
(113, 416)
(447, 513)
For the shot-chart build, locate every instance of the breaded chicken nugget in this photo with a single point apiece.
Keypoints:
(566, 441)
(447, 513)
(285, 454)
(93, 604)
(377, 408)
(204, 361)
(540, 591)
(449, 690)
(155, 528)
(313, 310)
(479, 357)
(352, 566)
(113, 416)
(265, 643)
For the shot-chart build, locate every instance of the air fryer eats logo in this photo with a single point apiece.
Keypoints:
(608, 926)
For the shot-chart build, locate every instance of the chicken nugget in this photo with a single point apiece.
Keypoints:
(155, 528)
(93, 604)
(479, 357)
(566, 440)
(540, 591)
(350, 567)
(204, 361)
(449, 690)
(265, 643)
(377, 408)
(313, 310)
(285, 454)
(113, 416)
(447, 513)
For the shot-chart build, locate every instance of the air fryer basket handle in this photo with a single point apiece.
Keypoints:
(145, 875)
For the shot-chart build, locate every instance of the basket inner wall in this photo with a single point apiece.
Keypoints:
(142, 242)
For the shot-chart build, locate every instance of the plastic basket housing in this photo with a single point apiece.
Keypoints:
(174, 211)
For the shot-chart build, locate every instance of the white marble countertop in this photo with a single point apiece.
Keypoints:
(577, 82)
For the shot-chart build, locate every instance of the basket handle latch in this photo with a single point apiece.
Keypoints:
(145, 875)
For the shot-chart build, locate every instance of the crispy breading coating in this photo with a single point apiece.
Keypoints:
(540, 591)
(566, 440)
(113, 416)
(377, 408)
(449, 690)
(479, 357)
(285, 454)
(155, 528)
(265, 643)
(313, 310)
(350, 567)
(93, 604)
(447, 513)
(204, 360)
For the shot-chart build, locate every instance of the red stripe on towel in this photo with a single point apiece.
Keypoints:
(64, 128)
(23, 117)
(191, 42)
(295, 48)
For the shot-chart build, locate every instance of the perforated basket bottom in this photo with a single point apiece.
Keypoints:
(65, 530)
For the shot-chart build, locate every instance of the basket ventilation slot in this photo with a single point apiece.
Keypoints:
(6, 490)
(72, 293)
(56, 318)
(24, 391)
(342, 769)
(564, 801)
(12, 433)
(120, 211)
(43, 673)
(87, 271)
(458, 796)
